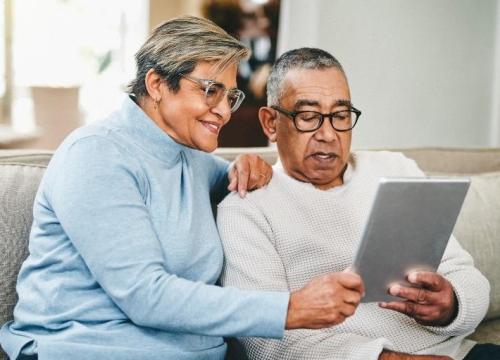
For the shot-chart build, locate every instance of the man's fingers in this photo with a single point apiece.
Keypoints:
(423, 314)
(429, 280)
(352, 298)
(417, 295)
(405, 307)
(352, 281)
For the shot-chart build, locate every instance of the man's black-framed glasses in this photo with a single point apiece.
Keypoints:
(215, 92)
(308, 121)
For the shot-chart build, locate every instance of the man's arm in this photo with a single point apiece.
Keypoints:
(252, 262)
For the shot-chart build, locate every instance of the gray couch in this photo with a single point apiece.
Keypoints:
(478, 226)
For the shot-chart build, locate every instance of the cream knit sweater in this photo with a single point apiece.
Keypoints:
(281, 236)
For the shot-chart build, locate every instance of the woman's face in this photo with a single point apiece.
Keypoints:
(185, 115)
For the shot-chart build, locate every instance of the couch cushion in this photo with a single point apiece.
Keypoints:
(487, 332)
(478, 231)
(17, 191)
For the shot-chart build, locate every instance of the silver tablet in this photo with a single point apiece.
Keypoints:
(409, 225)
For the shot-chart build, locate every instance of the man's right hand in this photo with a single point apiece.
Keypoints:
(324, 301)
(391, 355)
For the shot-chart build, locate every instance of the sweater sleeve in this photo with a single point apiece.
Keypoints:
(252, 262)
(471, 288)
(98, 197)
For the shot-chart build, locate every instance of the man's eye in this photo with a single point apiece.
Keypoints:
(309, 116)
(343, 115)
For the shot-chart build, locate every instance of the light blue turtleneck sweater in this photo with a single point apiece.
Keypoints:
(124, 253)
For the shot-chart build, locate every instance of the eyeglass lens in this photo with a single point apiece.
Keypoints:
(214, 93)
(311, 120)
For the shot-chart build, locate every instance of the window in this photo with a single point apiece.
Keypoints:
(83, 44)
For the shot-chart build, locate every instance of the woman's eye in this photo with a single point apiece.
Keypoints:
(211, 91)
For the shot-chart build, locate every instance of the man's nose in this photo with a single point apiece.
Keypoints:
(326, 132)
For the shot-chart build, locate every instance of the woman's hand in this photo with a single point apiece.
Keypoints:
(248, 172)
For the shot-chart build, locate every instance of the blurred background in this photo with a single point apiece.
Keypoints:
(425, 73)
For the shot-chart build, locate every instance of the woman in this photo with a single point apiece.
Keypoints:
(124, 252)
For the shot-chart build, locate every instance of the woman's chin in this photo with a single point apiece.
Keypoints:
(207, 146)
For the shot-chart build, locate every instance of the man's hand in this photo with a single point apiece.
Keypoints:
(248, 172)
(391, 355)
(325, 301)
(431, 302)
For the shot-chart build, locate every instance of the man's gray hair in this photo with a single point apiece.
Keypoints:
(175, 48)
(303, 58)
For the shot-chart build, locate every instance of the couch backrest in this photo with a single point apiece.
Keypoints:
(20, 174)
(477, 229)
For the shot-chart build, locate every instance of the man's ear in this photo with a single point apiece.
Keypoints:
(268, 117)
(153, 83)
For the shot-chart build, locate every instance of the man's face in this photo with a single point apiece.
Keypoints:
(318, 157)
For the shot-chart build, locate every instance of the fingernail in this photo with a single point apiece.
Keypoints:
(394, 290)
(382, 304)
(242, 193)
(412, 277)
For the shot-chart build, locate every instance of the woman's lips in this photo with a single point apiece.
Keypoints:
(211, 126)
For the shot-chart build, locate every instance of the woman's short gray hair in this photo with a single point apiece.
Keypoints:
(303, 58)
(175, 48)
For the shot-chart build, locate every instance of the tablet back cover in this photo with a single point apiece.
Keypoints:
(408, 228)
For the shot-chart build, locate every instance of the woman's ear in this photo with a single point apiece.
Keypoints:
(268, 117)
(154, 84)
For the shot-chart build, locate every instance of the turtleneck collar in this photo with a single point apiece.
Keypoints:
(146, 134)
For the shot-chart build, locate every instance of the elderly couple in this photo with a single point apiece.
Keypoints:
(125, 254)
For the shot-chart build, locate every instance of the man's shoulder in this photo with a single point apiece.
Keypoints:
(258, 198)
(380, 156)
(390, 162)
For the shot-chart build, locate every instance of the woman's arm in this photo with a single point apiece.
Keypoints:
(98, 195)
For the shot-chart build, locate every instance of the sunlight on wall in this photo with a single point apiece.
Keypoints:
(88, 44)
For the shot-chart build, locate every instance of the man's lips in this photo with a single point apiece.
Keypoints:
(212, 126)
(323, 156)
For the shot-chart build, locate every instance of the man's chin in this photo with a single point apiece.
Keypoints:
(327, 180)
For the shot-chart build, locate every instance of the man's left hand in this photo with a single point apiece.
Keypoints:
(431, 302)
(248, 172)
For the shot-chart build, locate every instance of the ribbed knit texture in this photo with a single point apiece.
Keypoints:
(281, 236)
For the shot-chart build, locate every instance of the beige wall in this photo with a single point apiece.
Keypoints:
(424, 73)
(161, 10)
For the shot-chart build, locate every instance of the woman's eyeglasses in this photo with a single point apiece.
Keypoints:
(215, 92)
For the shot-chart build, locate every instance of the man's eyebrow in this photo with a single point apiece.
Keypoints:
(343, 102)
(305, 102)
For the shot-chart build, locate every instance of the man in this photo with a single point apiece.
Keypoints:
(308, 220)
